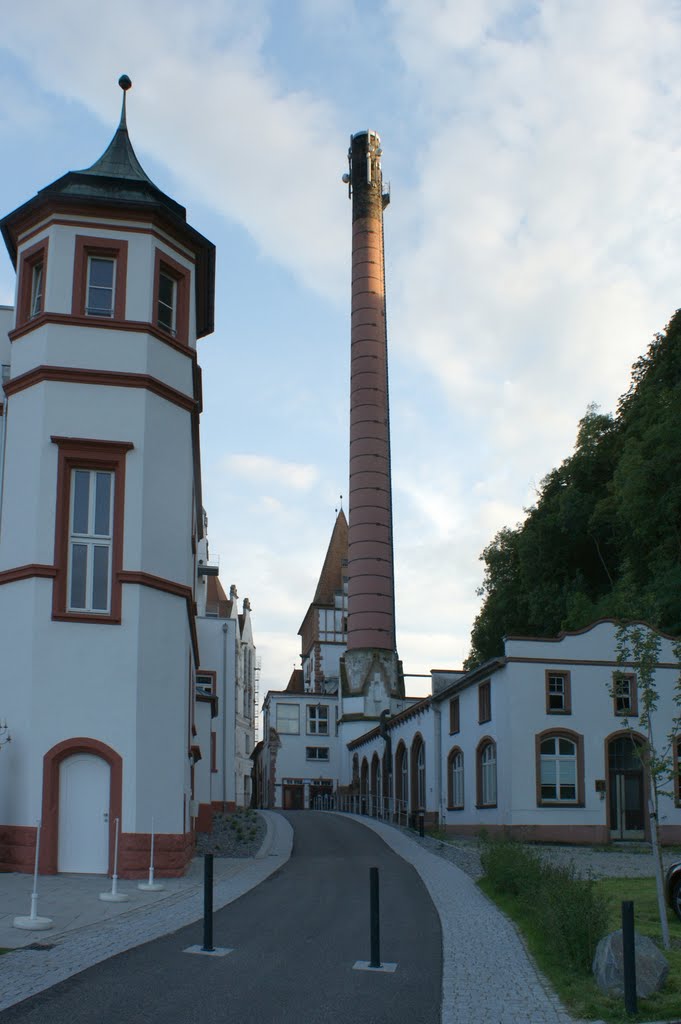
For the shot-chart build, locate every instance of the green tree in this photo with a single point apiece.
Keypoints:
(604, 537)
(638, 647)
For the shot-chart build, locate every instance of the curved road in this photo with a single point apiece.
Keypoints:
(295, 939)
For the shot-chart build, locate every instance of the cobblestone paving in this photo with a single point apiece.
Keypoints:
(487, 974)
(25, 972)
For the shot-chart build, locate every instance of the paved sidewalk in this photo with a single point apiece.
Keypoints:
(87, 930)
(487, 974)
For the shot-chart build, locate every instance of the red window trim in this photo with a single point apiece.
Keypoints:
(482, 744)
(484, 702)
(86, 453)
(633, 695)
(90, 245)
(578, 740)
(567, 710)
(181, 276)
(29, 259)
(213, 679)
(454, 716)
(451, 806)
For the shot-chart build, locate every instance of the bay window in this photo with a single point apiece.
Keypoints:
(89, 529)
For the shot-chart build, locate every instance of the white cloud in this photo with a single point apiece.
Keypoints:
(267, 470)
(532, 249)
(260, 156)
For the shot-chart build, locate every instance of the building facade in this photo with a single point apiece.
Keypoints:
(101, 521)
(540, 744)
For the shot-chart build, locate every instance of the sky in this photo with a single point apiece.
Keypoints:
(533, 249)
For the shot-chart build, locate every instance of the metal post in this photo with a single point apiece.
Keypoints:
(374, 919)
(629, 957)
(207, 903)
(421, 823)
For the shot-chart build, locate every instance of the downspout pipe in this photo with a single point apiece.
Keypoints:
(225, 631)
(437, 729)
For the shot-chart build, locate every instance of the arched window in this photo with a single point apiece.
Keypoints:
(455, 797)
(487, 773)
(364, 778)
(386, 772)
(375, 782)
(418, 774)
(355, 771)
(560, 768)
(401, 773)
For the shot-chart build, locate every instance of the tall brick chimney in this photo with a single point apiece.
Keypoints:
(371, 655)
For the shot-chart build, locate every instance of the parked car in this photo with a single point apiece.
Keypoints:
(672, 887)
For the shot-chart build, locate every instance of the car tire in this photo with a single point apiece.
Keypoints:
(676, 897)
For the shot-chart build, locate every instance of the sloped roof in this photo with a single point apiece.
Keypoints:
(296, 683)
(217, 601)
(331, 577)
(118, 179)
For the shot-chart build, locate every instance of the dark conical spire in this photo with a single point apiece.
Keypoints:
(119, 160)
(117, 176)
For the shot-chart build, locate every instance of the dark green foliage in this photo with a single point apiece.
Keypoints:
(566, 911)
(604, 539)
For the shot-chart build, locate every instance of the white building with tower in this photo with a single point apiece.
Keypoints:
(101, 521)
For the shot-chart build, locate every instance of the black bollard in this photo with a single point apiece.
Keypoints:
(207, 904)
(421, 823)
(374, 919)
(629, 957)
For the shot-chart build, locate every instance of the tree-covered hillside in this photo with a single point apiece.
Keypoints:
(604, 538)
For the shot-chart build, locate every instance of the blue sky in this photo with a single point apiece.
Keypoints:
(533, 247)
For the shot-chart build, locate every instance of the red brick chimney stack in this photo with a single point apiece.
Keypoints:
(371, 590)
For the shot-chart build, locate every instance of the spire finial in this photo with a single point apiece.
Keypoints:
(125, 83)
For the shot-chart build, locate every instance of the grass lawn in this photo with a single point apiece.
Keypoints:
(579, 993)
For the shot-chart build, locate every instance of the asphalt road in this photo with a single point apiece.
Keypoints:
(295, 939)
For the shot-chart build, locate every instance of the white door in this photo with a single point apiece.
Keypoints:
(84, 783)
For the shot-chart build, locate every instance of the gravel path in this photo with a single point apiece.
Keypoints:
(616, 862)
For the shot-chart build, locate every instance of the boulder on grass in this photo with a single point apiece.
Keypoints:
(608, 966)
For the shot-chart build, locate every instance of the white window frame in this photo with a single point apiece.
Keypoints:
(561, 692)
(37, 288)
(204, 684)
(317, 720)
(90, 541)
(456, 779)
(280, 721)
(100, 311)
(316, 753)
(488, 775)
(564, 766)
(421, 776)
(623, 690)
(172, 329)
(404, 774)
